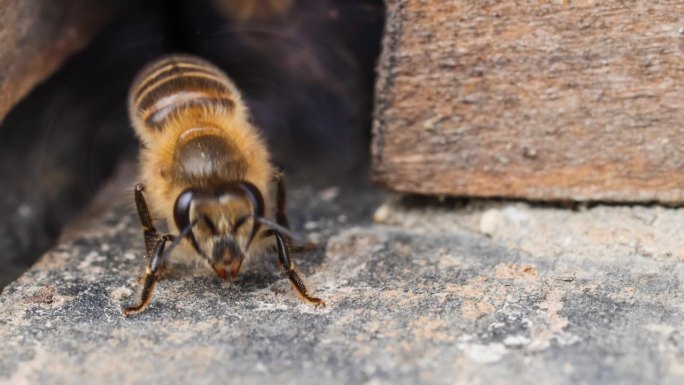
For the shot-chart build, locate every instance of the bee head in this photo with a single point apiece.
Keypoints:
(223, 222)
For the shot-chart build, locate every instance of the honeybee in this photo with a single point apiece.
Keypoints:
(206, 170)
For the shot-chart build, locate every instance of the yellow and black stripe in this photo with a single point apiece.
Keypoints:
(174, 83)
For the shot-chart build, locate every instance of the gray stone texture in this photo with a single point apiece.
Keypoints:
(418, 291)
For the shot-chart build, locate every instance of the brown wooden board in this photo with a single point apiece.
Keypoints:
(36, 36)
(578, 100)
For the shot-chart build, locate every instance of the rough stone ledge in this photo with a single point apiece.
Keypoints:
(486, 293)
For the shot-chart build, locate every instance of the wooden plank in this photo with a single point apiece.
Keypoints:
(36, 36)
(579, 100)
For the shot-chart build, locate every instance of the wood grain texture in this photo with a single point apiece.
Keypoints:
(579, 100)
(36, 36)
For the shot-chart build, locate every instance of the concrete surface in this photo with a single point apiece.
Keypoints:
(458, 292)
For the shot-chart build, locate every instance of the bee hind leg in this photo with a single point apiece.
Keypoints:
(155, 243)
(291, 272)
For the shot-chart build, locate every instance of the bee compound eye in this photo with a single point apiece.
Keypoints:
(181, 213)
(181, 208)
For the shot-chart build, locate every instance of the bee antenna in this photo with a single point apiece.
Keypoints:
(281, 229)
(178, 238)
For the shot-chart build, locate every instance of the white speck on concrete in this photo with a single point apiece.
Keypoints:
(382, 213)
(330, 194)
(89, 259)
(516, 340)
(121, 293)
(491, 221)
(310, 225)
(484, 354)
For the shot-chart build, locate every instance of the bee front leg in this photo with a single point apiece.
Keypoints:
(152, 274)
(288, 265)
(154, 246)
(150, 233)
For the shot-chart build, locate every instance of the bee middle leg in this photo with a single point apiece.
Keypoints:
(281, 197)
(281, 216)
(155, 242)
(291, 272)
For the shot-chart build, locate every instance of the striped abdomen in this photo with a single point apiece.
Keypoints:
(175, 83)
